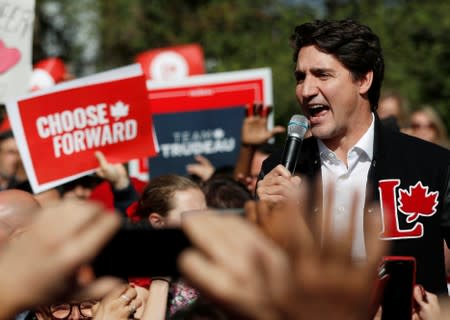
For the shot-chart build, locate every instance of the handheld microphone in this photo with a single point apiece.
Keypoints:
(297, 127)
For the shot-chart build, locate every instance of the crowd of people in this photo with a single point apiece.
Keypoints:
(372, 181)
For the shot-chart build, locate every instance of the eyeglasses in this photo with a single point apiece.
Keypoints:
(417, 126)
(63, 311)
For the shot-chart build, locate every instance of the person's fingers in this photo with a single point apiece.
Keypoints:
(75, 214)
(375, 247)
(205, 275)
(84, 245)
(212, 227)
(418, 294)
(251, 212)
(193, 168)
(101, 159)
(257, 109)
(264, 214)
(315, 210)
(128, 295)
(327, 233)
(115, 293)
(277, 130)
(98, 289)
(415, 316)
(227, 236)
(202, 160)
(267, 110)
(430, 298)
(277, 185)
(249, 111)
(342, 247)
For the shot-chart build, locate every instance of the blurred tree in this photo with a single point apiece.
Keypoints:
(415, 37)
(250, 34)
(234, 35)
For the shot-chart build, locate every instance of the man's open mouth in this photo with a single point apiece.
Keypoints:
(317, 110)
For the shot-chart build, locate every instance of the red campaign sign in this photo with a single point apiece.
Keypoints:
(206, 97)
(224, 90)
(172, 63)
(63, 129)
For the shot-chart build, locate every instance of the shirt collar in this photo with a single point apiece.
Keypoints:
(365, 144)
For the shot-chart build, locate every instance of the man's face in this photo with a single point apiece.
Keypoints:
(9, 158)
(328, 95)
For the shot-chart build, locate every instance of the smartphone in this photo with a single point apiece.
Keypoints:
(397, 299)
(141, 251)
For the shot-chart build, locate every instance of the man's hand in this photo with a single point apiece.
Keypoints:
(203, 168)
(120, 304)
(279, 186)
(235, 264)
(116, 174)
(254, 128)
(42, 265)
(297, 274)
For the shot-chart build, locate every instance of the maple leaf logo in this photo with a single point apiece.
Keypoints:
(418, 201)
(118, 110)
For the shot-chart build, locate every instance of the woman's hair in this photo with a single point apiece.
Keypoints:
(437, 124)
(158, 194)
(353, 44)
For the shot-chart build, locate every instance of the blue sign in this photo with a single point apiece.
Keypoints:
(214, 134)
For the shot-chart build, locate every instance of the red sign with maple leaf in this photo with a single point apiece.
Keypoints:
(59, 130)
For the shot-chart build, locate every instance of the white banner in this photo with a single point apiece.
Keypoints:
(16, 33)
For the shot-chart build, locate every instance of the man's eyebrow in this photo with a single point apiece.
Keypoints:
(299, 74)
(322, 70)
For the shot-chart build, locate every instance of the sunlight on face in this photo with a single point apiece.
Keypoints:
(331, 99)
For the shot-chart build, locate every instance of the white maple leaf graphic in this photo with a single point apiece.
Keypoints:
(118, 110)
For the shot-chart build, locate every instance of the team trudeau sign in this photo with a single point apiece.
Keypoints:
(58, 132)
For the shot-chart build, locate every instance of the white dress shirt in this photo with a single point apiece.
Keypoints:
(347, 181)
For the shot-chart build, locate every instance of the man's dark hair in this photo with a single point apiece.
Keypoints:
(353, 44)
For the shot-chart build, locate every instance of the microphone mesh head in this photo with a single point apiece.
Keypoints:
(297, 126)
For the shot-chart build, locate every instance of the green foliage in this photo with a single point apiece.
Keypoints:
(415, 37)
(249, 34)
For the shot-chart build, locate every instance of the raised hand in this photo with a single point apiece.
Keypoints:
(116, 174)
(48, 257)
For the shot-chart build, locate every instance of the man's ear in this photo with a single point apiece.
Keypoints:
(365, 82)
(156, 220)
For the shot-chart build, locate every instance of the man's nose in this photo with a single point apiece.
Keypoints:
(309, 88)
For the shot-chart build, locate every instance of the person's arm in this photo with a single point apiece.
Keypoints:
(124, 193)
(156, 306)
(123, 198)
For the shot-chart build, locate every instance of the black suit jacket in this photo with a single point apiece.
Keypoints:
(407, 161)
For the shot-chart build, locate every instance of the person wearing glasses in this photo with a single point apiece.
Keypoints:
(72, 311)
(427, 125)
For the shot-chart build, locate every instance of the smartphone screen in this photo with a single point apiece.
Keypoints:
(397, 299)
(141, 252)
